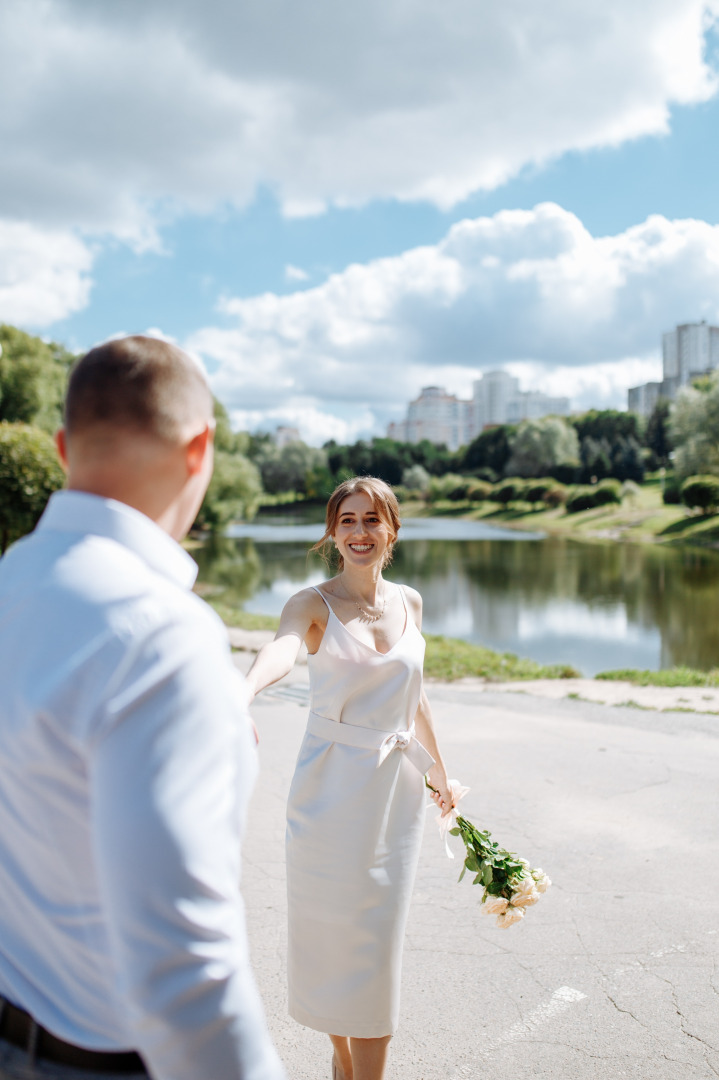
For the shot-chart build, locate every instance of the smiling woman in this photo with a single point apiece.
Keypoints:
(356, 805)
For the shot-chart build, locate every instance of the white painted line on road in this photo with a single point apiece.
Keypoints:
(559, 1002)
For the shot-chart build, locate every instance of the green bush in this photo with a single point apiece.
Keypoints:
(536, 490)
(556, 496)
(701, 493)
(450, 486)
(672, 493)
(580, 498)
(479, 491)
(29, 473)
(509, 490)
(589, 497)
(607, 491)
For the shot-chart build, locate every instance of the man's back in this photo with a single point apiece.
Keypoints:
(125, 756)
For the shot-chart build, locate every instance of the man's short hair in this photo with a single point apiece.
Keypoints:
(139, 384)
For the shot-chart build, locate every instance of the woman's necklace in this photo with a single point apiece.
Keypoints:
(365, 615)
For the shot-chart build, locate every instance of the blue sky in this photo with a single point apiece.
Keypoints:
(328, 214)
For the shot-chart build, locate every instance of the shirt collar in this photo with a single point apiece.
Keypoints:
(80, 512)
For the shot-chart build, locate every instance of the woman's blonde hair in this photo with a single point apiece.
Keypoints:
(385, 504)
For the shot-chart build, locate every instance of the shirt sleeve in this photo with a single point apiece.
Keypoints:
(170, 779)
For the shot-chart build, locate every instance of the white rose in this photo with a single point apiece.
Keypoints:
(543, 883)
(525, 899)
(522, 886)
(494, 905)
(511, 915)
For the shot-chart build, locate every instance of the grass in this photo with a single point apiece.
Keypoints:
(678, 676)
(244, 620)
(449, 659)
(642, 518)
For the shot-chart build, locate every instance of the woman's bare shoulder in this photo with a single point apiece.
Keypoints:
(414, 601)
(307, 601)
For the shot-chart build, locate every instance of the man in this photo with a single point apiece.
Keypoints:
(126, 754)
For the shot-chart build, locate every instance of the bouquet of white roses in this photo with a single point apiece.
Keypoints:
(510, 884)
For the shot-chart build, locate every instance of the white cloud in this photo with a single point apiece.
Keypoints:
(530, 290)
(315, 425)
(44, 274)
(295, 273)
(124, 114)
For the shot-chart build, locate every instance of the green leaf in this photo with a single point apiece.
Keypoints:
(487, 875)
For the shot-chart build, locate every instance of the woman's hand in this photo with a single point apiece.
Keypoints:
(442, 794)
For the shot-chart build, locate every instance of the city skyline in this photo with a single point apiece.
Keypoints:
(337, 207)
(496, 399)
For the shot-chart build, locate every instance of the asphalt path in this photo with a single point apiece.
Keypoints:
(613, 974)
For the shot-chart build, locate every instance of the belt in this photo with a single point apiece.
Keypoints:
(19, 1028)
(371, 739)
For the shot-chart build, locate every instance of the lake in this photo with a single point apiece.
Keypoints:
(597, 606)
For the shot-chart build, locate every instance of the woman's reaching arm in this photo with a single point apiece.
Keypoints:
(276, 658)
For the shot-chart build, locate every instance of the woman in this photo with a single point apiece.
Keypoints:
(355, 814)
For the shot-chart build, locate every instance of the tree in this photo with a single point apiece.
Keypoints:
(627, 459)
(607, 424)
(235, 491)
(657, 437)
(596, 458)
(490, 450)
(29, 473)
(33, 377)
(232, 442)
(694, 428)
(287, 469)
(416, 478)
(540, 447)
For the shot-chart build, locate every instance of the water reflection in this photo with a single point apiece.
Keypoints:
(592, 605)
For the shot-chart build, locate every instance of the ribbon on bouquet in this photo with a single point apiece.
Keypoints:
(448, 821)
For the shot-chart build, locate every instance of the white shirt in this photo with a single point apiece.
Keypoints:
(126, 763)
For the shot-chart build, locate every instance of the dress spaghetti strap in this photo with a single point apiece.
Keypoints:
(320, 593)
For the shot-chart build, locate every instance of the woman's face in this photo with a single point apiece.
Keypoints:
(361, 536)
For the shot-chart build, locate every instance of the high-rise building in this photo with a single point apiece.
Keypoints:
(497, 399)
(493, 394)
(689, 350)
(437, 416)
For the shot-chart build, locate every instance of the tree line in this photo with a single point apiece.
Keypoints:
(596, 446)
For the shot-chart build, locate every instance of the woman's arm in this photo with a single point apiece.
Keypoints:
(424, 725)
(276, 658)
(437, 775)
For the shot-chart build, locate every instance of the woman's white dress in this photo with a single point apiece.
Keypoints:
(354, 825)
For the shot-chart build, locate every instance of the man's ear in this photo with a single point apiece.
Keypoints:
(61, 447)
(198, 448)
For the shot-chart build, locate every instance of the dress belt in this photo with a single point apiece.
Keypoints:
(18, 1028)
(370, 739)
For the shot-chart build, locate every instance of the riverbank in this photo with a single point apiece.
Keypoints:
(641, 518)
(456, 662)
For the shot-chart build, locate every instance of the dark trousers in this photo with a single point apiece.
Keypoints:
(17, 1064)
